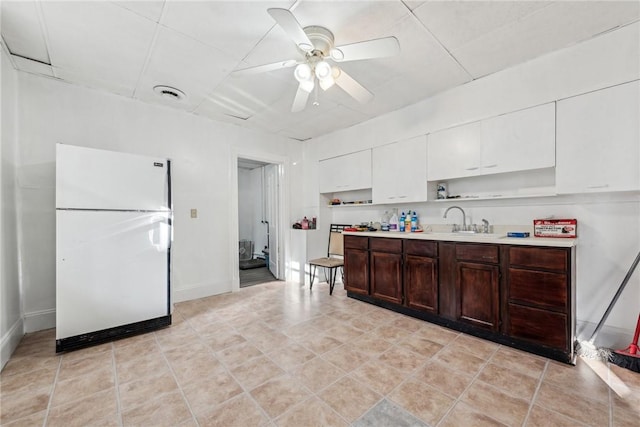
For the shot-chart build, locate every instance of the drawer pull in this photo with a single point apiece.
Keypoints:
(597, 186)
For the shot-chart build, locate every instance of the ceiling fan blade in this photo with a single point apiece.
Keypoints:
(264, 68)
(352, 87)
(292, 27)
(378, 48)
(300, 101)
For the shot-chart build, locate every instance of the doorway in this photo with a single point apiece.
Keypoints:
(258, 205)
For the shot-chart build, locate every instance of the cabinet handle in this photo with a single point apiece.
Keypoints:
(597, 186)
(490, 166)
(402, 197)
(472, 168)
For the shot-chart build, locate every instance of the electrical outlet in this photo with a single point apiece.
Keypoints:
(194, 213)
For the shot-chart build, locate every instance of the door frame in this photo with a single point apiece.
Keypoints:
(282, 162)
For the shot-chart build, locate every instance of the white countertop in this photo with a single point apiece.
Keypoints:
(500, 239)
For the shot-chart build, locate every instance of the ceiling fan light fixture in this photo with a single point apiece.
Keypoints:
(323, 70)
(302, 73)
(307, 85)
(327, 83)
(337, 54)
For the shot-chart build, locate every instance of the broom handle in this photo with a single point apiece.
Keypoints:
(615, 297)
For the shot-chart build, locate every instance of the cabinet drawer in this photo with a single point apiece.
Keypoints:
(386, 245)
(541, 288)
(356, 242)
(421, 248)
(538, 326)
(472, 252)
(543, 258)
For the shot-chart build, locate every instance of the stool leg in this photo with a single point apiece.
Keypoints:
(313, 276)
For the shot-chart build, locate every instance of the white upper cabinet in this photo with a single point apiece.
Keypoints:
(400, 171)
(519, 141)
(345, 173)
(599, 141)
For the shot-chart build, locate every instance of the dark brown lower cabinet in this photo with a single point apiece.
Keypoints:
(385, 266)
(478, 293)
(356, 264)
(421, 283)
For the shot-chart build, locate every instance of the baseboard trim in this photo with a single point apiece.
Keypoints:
(39, 320)
(200, 291)
(10, 341)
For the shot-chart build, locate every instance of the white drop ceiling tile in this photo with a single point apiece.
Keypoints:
(351, 21)
(21, 30)
(151, 9)
(233, 27)
(455, 23)
(98, 40)
(186, 64)
(34, 67)
(412, 4)
(84, 79)
(549, 29)
(212, 113)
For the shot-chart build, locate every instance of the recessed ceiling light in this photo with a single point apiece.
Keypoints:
(168, 92)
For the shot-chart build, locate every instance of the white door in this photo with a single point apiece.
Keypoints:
(111, 269)
(271, 204)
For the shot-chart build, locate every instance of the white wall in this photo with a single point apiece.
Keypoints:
(609, 227)
(201, 151)
(11, 326)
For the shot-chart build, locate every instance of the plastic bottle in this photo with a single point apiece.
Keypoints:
(414, 221)
(407, 222)
(384, 223)
(305, 223)
(393, 222)
(402, 222)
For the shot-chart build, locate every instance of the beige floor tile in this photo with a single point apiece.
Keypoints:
(167, 409)
(402, 359)
(346, 357)
(573, 403)
(25, 364)
(135, 393)
(175, 336)
(391, 333)
(199, 367)
(480, 348)
(407, 323)
(508, 380)
(70, 368)
(311, 413)
(78, 387)
(238, 354)
(211, 392)
(87, 352)
(317, 374)
(349, 398)
(36, 419)
(22, 404)
(446, 380)
(459, 361)
(222, 340)
(33, 380)
(437, 333)
(525, 363)
(464, 415)
(420, 345)
(291, 356)
(540, 416)
(579, 377)
(320, 343)
(241, 411)
(344, 333)
(378, 376)
(278, 395)
(271, 341)
(137, 349)
(96, 409)
(139, 368)
(423, 401)
(371, 345)
(136, 339)
(626, 417)
(504, 407)
(256, 371)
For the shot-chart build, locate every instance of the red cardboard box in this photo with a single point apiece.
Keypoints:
(555, 227)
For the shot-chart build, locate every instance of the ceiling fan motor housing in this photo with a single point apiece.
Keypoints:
(322, 40)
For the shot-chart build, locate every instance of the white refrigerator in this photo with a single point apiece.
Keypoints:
(113, 245)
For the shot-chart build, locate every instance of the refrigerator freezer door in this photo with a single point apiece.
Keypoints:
(112, 269)
(87, 178)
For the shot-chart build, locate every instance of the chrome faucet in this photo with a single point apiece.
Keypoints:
(464, 216)
(485, 226)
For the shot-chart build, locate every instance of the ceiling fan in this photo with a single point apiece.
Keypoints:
(317, 45)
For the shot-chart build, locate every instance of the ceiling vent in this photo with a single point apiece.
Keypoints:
(170, 93)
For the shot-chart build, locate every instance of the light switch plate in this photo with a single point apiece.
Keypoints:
(194, 213)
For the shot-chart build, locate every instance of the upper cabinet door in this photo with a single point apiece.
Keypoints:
(598, 145)
(519, 141)
(400, 171)
(345, 173)
(455, 152)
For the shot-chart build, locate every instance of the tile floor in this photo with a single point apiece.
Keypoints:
(279, 355)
